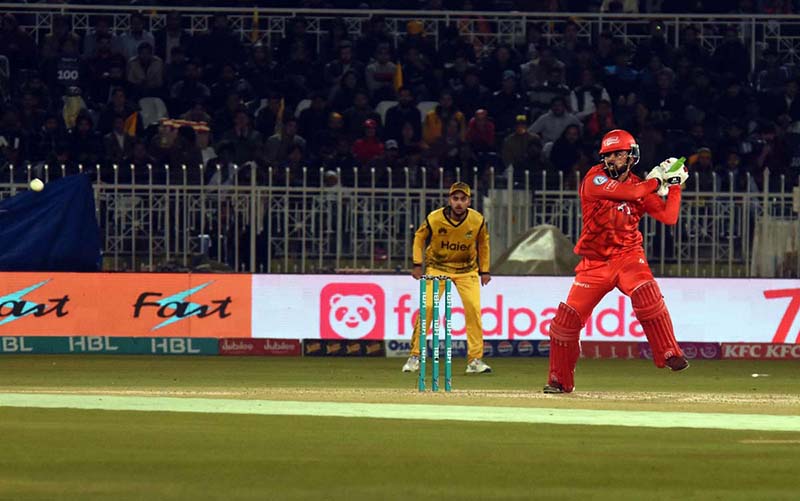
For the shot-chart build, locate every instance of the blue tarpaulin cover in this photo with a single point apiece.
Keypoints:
(52, 230)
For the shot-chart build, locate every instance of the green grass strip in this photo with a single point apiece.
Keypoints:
(648, 419)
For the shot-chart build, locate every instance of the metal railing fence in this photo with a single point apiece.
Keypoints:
(277, 220)
(485, 30)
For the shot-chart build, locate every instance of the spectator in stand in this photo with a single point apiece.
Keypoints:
(342, 96)
(436, 119)
(222, 166)
(666, 106)
(119, 106)
(117, 144)
(374, 35)
(472, 95)
(262, 71)
(61, 33)
(269, 117)
(541, 95)
(31, 114)
(293, 165)
(357, 115)
(455, 74)
(699, 96)
(496, 67)
(368, 147)
(327, 138)
(18, 46)
(389, 161)
(176, 69)
(418, 74)
(186, 92)
(51, 134)
(197, 113)
(451, 150)
(336, 69)
(567, 49)
(139, 159)
(566, 154)
(146, 72)
(691, 47)
(773, 77)
(185, 151)
(733, 175)
(296, 35)
(171, 37)
(84, 141)
(312, 120)
(278, 145)
(481, 133)
(536, 71)
(584, 60)
(506, 105)
(649, 75)
(404, 111)
(583, 99)
(601, 121)
(731, 103)
(336, 36)
(621, 79)
(411, 147)
(300, 74)
(730, 56)
(220, 45)
(703, 174)
(247, 143)
(228, 83)
(223, 120)
(99, 69)
(64, 70)
(521, 148)
(416, 39)
(380, 76)
(656, 45)
(129, 42)
(102, 28)
(607, 48)
(551, 125)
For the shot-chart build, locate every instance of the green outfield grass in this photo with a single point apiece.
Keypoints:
(123, 455)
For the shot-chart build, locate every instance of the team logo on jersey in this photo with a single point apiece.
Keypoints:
(468, 235)
(624, 208)
(598, 180)
(442, 231)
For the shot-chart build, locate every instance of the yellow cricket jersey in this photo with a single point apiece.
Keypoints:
(455, 247)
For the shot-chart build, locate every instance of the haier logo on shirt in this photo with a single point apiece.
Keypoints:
(454, 246)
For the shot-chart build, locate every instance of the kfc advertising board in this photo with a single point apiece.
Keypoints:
(522, 308)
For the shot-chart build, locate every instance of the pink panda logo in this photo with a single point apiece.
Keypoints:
(352, 311)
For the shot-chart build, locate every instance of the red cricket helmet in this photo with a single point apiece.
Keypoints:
(618, 140)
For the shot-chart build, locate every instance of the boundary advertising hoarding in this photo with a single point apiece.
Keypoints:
(521, 308)
(369, 307)
(125, 305)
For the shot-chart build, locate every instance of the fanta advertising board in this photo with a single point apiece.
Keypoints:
(521, 308)
(125, 305)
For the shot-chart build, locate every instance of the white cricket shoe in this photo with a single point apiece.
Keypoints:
(478, 366)
(412, 364)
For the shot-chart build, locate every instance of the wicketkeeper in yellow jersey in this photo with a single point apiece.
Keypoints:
(458, 247)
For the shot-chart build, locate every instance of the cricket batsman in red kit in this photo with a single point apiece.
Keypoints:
(613, 200)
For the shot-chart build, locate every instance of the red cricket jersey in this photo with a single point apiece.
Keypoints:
(612, 210)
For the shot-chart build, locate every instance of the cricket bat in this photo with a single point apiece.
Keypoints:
(677, 165)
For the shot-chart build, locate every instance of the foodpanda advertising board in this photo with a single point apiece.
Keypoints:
(385, 307)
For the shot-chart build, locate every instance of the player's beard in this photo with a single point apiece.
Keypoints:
(615, 170)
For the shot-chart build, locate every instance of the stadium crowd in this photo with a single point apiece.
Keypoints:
(539, 105)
